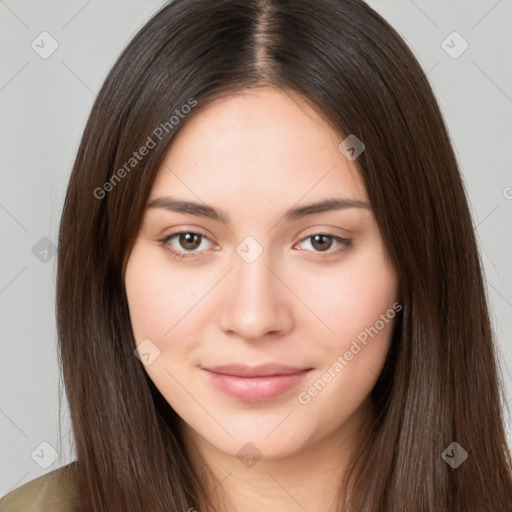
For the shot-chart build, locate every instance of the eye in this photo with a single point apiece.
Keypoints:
(190, 243)
(322, 242)
(188, 240)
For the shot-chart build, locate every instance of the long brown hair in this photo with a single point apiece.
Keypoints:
(440, 383)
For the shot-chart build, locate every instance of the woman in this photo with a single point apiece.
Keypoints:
(269, 292)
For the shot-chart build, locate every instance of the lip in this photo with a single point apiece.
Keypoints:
(255, 383)
(259, 370)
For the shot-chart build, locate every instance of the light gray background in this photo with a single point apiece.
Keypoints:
(44, 105)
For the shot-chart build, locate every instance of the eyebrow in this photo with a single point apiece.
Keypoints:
(204, 210)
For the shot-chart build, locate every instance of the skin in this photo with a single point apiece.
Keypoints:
(254, 155)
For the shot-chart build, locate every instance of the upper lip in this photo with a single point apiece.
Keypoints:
(261, 370)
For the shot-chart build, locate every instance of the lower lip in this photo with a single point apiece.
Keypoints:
(255, 389)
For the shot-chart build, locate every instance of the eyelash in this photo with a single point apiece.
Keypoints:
(164, 242)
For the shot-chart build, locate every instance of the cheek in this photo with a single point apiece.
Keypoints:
(157, 296)
(351, 298)
(144, 300)
(360, 306)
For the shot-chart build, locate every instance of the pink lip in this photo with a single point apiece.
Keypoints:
(255, 383)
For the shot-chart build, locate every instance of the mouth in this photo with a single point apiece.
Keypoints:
(255, 383)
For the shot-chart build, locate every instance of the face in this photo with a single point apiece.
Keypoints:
(239, 280)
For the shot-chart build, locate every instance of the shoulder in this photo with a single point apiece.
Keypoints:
(52, 492)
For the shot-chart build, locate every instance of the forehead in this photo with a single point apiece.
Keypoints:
(254, 149)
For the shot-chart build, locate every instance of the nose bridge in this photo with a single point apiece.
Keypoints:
(253, 304)
(251, 262)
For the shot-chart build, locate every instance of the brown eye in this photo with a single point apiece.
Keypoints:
(185, 244)
(189, 241)
(321, 242)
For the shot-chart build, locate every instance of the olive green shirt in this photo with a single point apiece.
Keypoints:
(52, 492)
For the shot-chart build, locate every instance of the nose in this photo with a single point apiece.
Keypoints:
(255, 303)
